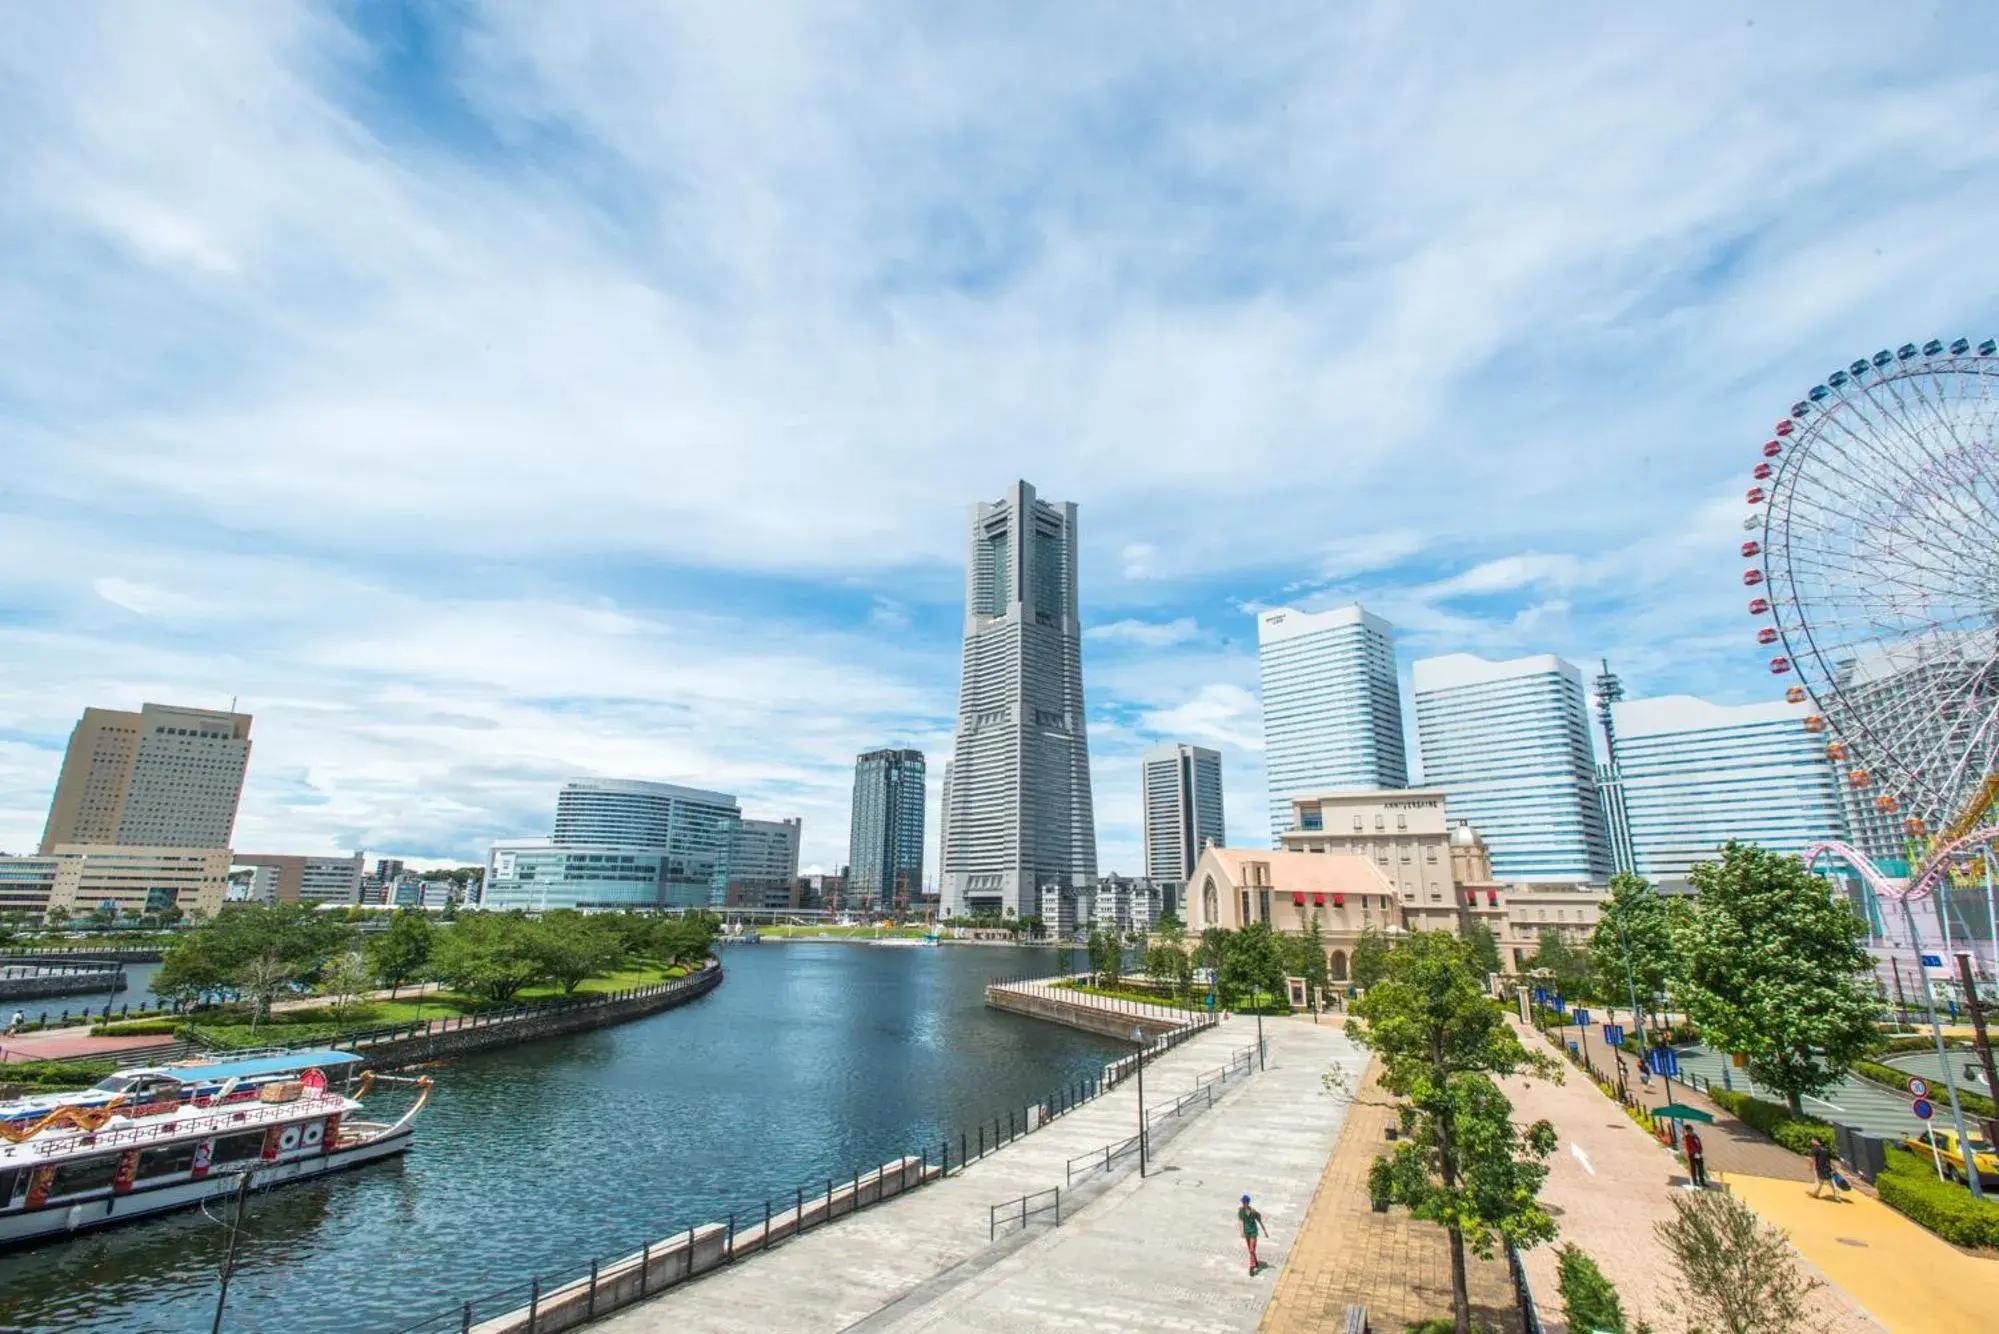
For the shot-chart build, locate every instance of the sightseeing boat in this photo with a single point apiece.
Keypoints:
(168, 1137)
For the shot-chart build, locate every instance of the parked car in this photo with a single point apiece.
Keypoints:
(1951, 1156)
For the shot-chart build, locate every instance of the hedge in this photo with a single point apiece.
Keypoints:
(1795, 1133)
(1974, 1104)
(126, 1028)
(1909, 1185)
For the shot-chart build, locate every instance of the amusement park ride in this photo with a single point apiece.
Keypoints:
(1875, 514)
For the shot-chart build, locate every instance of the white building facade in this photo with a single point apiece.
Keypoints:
(1332, 707)
(1510, 743)
(1697, 774)
(1020, 814)
(1181, 789)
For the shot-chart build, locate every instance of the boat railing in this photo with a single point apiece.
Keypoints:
(181, 1126)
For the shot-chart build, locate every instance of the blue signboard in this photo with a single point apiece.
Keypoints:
(1613, 1035)
(1582, 1016)
(1664, 1061)
(1922, 1108)
(1933, 961)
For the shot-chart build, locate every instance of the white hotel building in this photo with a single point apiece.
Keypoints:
(1332, 708)
(1510, 742)
(1697, 774)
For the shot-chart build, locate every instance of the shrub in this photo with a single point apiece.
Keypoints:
(1734, 1273)
(1909, 1185)
(1589, 1302)
(1774, 1119)
(138, 1027)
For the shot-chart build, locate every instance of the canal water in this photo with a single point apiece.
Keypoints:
(810, 1061)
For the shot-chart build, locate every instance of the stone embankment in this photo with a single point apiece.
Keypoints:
(31, 977)
(435, 1039)
(1106, 1016)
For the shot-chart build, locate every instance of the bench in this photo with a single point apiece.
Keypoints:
(1356, 1320)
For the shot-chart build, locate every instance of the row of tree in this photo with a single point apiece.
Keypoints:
(1765, 960)
(262, 952)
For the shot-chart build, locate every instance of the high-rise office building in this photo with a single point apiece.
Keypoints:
(294, 878)
(1181, 787)
(1332, 707)
(1509, 742)
(885, 833)
(1698, 774)
(1020, 813)
(764, 858)
(162, 777)
(621, 842)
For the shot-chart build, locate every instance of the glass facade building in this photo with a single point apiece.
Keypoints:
(1510, 743)
(1332, 707)
(614, 837)
(1698, 774)
(885, 835)
(536, 875)
(1182, 794)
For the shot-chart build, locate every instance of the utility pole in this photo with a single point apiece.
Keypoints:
(1138, 1036)
(1979, 1035)
(229, 1251)
(1943, 1057)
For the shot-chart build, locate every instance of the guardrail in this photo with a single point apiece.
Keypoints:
(1523, 1291)
(1200, 1098)
(1028, 1209)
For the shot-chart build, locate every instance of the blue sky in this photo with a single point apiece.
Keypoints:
(487, 394)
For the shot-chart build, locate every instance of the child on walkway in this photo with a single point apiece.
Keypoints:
(1251, 1223)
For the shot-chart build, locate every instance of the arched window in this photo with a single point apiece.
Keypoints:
(1211, 903)
(1336, 968)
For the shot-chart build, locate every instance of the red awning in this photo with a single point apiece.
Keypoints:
(1298, 900)
(1318, 900)
(1339, 900)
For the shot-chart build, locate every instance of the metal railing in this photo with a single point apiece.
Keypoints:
(1523, 1291)
(1199, 1098)
(1026, 1204)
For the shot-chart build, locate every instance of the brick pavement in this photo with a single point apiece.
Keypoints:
(1346, 1254)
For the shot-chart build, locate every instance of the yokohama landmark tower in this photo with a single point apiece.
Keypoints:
(1018, 813)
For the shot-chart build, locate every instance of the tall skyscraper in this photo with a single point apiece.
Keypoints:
(885, 835)
(1332, 708)
(1182, 792)
(163, 777)
(1509, 742)
(1020, 813)
(1698, 774)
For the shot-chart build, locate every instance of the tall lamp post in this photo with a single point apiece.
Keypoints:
(1138, 1036)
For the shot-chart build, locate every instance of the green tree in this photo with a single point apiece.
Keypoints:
(401, 953)
(345, 981)
(1635, 916)
(1305, 955)
(260, 949)
(1463, 1163)
(1370, 958)
(493, 955)
(1106, 957)
(574, 946)
(1776, 967)
(1566, 967)
(1254, 963)
(1484, 947)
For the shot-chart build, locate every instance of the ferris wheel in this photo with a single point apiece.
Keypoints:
(1876, 514)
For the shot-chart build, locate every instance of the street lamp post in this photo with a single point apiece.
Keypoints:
(1138, 1036)
(1259, 1040)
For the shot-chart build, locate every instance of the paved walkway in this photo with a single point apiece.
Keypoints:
(1346, 1254)
(1154, 1254)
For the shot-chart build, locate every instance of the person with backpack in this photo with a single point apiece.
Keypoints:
(1696, 1157)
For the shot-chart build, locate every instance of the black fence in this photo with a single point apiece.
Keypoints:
(1008, 1212)
(819, 1202)
(1198, 1099)
(1523, 1291)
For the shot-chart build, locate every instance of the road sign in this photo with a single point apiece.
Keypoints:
(1613, 1035)
(1918, 1088)
(1933, 961)
(1664, 1061)
(1922, 1108)
(1582, 1016)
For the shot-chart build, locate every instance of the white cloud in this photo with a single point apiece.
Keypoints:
(1147, 634)
(146, 600)
(1219, 714)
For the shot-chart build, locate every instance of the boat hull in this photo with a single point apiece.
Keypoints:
(68, 1218)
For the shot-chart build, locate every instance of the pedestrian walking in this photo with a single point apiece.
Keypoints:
(1822, 1169)
(1696, 1157)
(14, 1023)
(1251, 1223)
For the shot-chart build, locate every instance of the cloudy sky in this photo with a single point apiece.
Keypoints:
(486, 394)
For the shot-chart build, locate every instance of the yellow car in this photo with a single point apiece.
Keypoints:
(1951, 1156)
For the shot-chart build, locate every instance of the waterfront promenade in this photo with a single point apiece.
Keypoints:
(1159, 1253)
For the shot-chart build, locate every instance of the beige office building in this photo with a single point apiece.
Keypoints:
(139, 879)
(1402, 831)
(292, 878)
(162, 777)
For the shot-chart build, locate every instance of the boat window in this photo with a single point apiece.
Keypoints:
(7, 1180)
(86, 1175)
(114, 1083)
(236, 1148)
(167, 1160)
